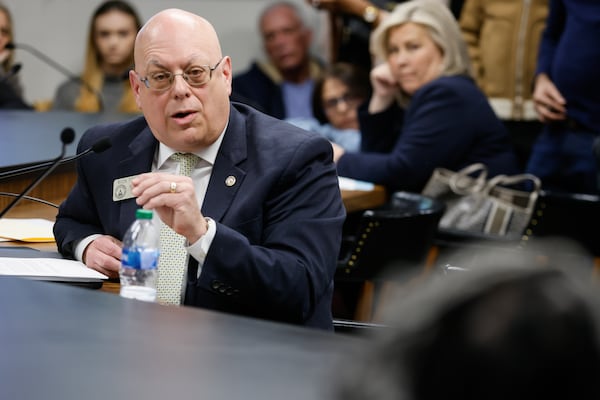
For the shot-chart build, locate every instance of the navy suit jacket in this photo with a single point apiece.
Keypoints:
(278, 227)
(448, 123)
(257, 89)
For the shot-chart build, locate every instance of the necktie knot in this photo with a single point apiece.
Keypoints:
(187, 162)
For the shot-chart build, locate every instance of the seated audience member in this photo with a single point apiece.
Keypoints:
(109, 56)
(337, 95)
(503, 331)
(426, 111)
(10, 89)
(567, 99)
(258, 221)
(282, 86)
(503, 39)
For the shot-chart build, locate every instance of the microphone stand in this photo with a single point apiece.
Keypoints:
(97, 147)
(66, 137)
(30, 198)
(63, 70)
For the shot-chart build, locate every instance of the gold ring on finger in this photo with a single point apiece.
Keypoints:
(173, 187)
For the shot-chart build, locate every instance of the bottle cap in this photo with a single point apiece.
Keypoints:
(140, 213)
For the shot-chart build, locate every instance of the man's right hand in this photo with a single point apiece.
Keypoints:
(549, 103)
(104, 255)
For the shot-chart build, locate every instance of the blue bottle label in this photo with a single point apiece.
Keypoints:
(140, 258)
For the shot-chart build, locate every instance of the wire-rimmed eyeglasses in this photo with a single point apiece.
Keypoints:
(195, 76)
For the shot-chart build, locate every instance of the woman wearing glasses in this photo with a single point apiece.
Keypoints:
(103, 85)
(336, 97)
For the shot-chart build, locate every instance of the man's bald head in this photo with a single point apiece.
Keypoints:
(176, 24)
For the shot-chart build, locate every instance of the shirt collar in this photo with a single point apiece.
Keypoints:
(208, 154)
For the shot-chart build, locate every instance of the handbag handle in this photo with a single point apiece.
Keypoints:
(462, 183)
(513, 180)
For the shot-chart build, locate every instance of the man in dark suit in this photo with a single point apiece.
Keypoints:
(281, 86)
(261, 214)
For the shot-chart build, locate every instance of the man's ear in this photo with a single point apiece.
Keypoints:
(135, 83)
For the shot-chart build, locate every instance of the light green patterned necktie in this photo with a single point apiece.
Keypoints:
(173, 256)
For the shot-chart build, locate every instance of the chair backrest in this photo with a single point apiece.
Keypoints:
(397, 235)
(567, 215)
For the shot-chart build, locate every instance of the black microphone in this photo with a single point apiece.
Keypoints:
(66, 137)
(63, 70)
(98, 147)
(11, 72)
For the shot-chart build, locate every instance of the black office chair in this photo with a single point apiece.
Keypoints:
(391, 240)
(571, 216)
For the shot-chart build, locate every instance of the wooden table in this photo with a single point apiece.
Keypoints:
(357, 200)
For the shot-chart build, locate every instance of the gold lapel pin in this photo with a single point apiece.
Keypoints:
(230, 180)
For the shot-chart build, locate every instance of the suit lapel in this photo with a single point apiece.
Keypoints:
(227, 174)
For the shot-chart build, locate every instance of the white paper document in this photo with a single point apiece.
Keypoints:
(47, 268)
(27, 229)
(353, 184)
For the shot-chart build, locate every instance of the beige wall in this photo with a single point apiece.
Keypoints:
(58, 28)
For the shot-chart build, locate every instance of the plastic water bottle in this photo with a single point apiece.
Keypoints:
(139, 261)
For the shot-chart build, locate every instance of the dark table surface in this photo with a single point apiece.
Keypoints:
(64, 342)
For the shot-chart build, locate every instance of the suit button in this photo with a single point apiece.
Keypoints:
(215, 285)
(229, 291)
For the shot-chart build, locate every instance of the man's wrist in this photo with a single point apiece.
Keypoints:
(370, 14)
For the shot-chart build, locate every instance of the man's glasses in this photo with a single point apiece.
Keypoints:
(195, 76)
(346, 99)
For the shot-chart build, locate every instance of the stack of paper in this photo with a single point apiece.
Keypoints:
(26, 229)
(48, 269)
(353, 184)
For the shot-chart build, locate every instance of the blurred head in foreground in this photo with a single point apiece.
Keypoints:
(496, 332)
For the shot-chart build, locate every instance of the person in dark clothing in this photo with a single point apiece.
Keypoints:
(9, 99)
(567, 98)
(281, 86)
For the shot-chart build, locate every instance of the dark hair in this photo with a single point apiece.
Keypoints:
(117, 5)
(531, 338)
(502, 333)
(353, 76)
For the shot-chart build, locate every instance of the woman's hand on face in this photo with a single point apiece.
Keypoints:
(385, 88)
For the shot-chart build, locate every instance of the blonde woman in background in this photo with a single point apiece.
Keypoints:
(104, 85)
(426, 110)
